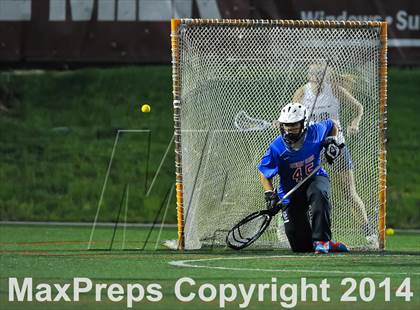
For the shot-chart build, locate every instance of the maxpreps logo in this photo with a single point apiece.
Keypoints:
(109, 10)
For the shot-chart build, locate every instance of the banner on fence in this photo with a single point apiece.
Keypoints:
(137, 31)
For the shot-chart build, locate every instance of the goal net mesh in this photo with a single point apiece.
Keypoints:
(233, 80)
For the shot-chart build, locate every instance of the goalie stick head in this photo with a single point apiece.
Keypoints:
(292, 122)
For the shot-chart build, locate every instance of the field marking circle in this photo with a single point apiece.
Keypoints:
(191, 263)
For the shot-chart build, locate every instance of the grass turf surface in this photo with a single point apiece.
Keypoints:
(51, 254)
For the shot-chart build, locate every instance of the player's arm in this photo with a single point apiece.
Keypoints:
(334, 130)
(268, 168)
(353, 128)
(298, 96)
(267, 184)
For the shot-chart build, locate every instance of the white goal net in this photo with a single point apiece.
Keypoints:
(230, 80)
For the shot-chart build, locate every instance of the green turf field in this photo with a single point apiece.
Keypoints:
(52, 254)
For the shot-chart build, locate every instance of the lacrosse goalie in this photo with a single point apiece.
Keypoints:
(294, 155)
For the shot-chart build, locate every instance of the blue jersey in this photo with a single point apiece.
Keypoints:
(293, 166)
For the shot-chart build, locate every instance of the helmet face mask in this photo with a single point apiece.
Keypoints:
(292, 136)
(292, 114)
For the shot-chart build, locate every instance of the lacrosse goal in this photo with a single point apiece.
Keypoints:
(230, 80)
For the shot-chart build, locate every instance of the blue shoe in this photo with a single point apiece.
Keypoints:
(321, 247)
(338, 247)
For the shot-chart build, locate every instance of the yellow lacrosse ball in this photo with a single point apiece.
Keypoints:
(145, 108)
(389, 232)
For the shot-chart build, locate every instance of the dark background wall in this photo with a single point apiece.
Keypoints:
(86, 32)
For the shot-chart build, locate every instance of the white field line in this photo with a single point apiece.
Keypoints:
(80, 224)
(190, 264)
(106, 224)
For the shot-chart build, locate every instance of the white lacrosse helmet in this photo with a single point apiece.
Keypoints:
(292, 113)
